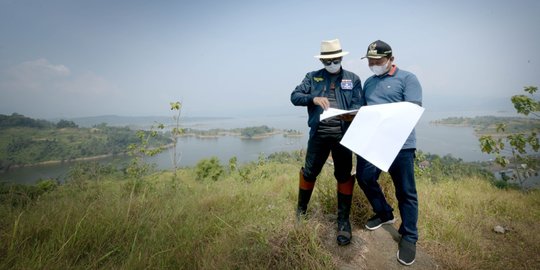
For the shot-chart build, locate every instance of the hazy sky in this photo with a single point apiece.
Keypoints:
(70, 58)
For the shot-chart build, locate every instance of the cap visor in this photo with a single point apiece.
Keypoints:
(373, 56)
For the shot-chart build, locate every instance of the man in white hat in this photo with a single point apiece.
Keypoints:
(330, 87)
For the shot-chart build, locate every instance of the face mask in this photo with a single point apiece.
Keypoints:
(379, 70)
(333, 68)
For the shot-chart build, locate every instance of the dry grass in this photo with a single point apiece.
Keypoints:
(228, 224)
(457, 220)
(247, 222)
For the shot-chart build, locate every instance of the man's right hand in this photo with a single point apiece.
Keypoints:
(322, 101)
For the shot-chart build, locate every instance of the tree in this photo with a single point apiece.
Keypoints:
(519, 143)
(175, 134)
(19, 120)
(66, 124)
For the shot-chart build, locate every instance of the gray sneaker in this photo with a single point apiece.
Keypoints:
(406, 252)
(376, 222)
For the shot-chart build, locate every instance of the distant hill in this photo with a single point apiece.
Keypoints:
(25, 141)
(116, 120)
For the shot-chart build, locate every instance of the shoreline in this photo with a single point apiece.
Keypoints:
(234, 134)
(55, 162)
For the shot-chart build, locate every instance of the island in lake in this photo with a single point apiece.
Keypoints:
(250, 133)
(487, 125)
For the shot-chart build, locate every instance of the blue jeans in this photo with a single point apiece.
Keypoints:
(402, 173)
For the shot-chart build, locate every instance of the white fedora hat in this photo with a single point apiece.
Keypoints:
(331, 49)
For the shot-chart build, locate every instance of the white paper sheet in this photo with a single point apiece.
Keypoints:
(331, 112)
(378, 132)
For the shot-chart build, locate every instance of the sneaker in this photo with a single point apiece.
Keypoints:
(406, 252)
(376, 222)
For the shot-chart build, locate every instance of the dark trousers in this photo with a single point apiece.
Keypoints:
(402, 173)
(319, 147)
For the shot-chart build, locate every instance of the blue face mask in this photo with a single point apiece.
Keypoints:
(333, 68)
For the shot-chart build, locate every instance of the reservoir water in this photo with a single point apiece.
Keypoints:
(459, 142)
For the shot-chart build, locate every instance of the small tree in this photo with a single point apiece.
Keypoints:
(175, 134)
(138, 168)
(517, 142)
(139, 151)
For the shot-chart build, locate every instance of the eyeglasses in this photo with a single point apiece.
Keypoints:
(328, 62)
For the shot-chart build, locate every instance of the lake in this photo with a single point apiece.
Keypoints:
(459, 142)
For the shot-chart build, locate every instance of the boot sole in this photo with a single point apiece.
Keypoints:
(344, 243)
(403, 262)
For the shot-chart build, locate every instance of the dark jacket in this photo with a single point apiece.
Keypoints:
(348, 91)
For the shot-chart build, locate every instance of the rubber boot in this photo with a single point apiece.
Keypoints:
(344, 196)
(304, 194)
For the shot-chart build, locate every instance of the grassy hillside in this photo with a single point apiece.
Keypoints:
(245, 220)
(29, 145)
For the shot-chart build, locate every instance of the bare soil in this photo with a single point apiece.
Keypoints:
(371, 249)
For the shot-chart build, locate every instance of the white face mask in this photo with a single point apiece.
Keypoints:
(379, 70)
(333, 68)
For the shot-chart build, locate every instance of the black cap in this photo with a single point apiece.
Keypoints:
(378, 49)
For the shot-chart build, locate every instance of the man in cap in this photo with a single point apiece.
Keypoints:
(330, 87)
(391, 84)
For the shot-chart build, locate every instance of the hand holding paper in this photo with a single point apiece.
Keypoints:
(322, 101)
(331, 112)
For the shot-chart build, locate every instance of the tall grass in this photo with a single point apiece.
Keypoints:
(245, 220)
(231, 224)
(457, 219)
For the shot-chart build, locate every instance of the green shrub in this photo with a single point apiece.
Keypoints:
(209, 169)
(245, 172)
(47, 185)
(287, 157)
(502, 184)
(233, 164)
(19, 195)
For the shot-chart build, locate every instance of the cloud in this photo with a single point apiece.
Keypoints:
(41, 66)
(32, 75)
(41, 76)
(39, 87)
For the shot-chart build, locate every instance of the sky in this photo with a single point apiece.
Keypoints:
(74, 58)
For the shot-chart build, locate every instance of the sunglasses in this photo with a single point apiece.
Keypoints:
(328, 62)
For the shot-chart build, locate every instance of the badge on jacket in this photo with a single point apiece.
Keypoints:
(346, 84)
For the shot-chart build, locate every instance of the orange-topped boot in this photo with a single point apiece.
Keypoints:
(304, 194)
(344, 196)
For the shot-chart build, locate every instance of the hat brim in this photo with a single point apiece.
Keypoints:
(374, 56)
(330, 56)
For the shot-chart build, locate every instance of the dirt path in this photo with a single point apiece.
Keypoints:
(372, 249)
